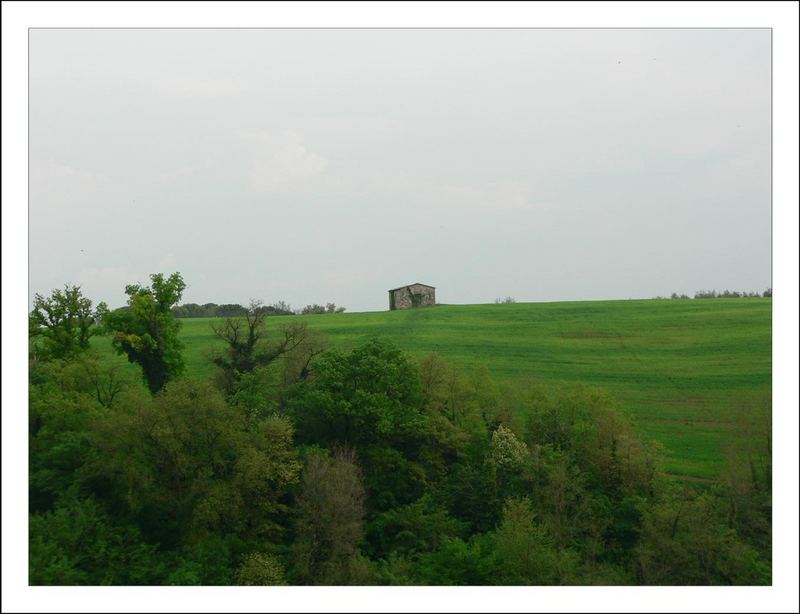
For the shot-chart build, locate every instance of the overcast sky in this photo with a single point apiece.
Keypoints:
(331, 165)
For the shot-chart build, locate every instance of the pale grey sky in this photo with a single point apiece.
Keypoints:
(331, 165)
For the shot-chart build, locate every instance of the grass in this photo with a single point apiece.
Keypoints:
(685, 371)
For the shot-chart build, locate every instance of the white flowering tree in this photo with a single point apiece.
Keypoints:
(508, 452)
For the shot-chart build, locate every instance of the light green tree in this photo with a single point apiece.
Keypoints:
(60, 326)
(260, 569)
(525, 554)
(147, 331)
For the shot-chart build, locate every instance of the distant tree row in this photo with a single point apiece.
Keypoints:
(212, 310)
(724, 294)
(235, 310)
(329, 308)
(731, 294)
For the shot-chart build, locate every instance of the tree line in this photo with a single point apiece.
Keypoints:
(280, 308)
(301, 464)
(723, 294)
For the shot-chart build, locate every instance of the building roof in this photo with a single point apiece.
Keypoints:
(416, 283)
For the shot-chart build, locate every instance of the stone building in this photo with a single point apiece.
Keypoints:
(413, 295)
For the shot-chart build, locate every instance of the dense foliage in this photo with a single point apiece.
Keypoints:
(366, 467)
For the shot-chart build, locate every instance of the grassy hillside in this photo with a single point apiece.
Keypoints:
(685, 371)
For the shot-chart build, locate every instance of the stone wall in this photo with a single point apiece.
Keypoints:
(415, 295)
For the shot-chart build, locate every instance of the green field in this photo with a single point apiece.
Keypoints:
(685, 371)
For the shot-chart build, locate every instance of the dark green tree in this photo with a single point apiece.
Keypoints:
(458, 562)
(147, 332)
(247, 346)
(79, 543)
(370, 396)
(411, 529)
(60, 326)
(59, 417)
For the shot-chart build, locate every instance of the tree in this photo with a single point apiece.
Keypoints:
(281, 308)
(525, 554)
(370, 395)
(79, 543)
(447, 392)
(330, 523)
(247, 347)
(458, 562)
(147, 332)
(508, 452)
(420, 526)
(242, 334)
(327, 308)
(260, 569)
(187, 465)
(64, 322)
(685, 539)
(298, 362)
(59, 417)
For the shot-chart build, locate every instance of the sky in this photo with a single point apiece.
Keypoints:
(315, 166)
